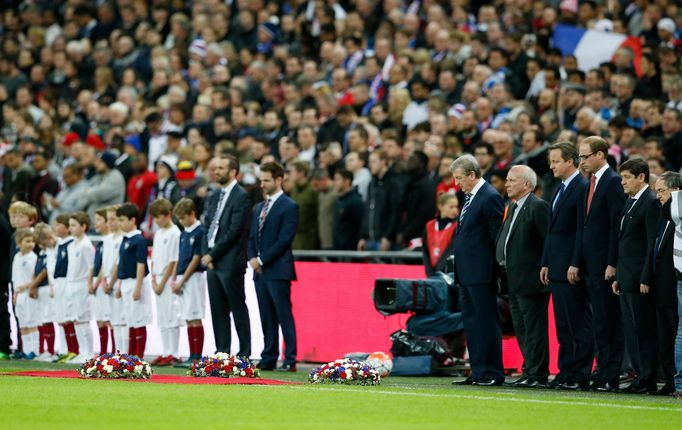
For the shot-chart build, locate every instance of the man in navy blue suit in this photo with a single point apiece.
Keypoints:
(560, 263)
(273, 229)
(479, 223)
(599, 218)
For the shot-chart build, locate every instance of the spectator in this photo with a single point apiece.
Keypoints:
(141, 184)
(418, 200)
(43, 187)
(326, 200)
(380, 222)
(68, 198)
(355, 163)
(16, 177)
(106, 188)
(305, 196)
(348, 212)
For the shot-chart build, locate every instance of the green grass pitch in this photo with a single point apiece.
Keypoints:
(399, 403)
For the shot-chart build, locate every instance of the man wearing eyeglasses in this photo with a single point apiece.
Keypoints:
(599, 217)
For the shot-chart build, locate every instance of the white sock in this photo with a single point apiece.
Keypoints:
(122, 340)
(164, 341)
(35, 342)
(173, 340)
(61, 346)
(26, 343)
(84, 341)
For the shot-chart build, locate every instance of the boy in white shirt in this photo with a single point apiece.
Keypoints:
(102, 300)
(79, 283)
(42, 286)
(109, 261)
(61, 229)
(164, 261)
(26, 307)
(189, 281)
(132, 271)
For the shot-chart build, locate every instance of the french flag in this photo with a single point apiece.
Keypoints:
(593, 47)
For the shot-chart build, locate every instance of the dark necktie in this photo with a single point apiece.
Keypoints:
(659, 238)
(500, 254)
(467, 202)
(562, 188)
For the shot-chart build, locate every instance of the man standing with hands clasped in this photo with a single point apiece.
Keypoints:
(519, 256)
(638, 231)
(273, 229)
(599, 218)
(225, 257)
(479, 224)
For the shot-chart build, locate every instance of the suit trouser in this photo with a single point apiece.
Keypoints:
(529, 315)
(225, 295)
(482, 330)
(639, 326)
(5, 327)
(608, 328)
(274, 304)
(666, 328)
(573, 321)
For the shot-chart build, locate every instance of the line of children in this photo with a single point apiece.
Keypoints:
(59, 283)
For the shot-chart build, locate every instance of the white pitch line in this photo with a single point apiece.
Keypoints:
(496, 399)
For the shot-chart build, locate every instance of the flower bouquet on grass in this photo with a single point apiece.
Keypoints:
(116, 366)
(345, 371)
(224, 365)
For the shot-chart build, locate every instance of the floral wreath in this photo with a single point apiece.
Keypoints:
(116, 366)
(224, 365)
(345, 371)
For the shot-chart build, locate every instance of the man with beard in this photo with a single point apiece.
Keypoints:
(273, 229)
(225, 257)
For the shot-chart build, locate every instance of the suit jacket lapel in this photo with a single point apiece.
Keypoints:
(521, 217)
(273, 209)
(667, 235)
(567, 192)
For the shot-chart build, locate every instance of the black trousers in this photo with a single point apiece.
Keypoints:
(639, 326)
(5, 327)
(274, 304)
(573, 321)
(226, 295)
(607, 327)
(529, 315)
(482, 330)
(666, 328)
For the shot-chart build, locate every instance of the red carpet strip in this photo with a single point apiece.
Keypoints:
(158, 379)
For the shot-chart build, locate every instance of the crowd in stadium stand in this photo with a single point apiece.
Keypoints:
(158, 89)
(365, 103)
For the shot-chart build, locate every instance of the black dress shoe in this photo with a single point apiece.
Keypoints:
(489, 382)
(467, 381)
(531, 383)
(605, 387)
(554, 383)
(639, 388)
(572, 386)
(666, 390)
(287, 368)
(265, 366)
(518, 382)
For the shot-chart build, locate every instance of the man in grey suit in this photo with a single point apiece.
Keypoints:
(225, 257)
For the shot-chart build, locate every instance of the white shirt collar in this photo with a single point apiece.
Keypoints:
(132, 233)
(477, 187)
(567, 181)
(521, 201)
(274, 197)
(63, 240)
(192, 227)
(228, 188)
(600, 172)
(640, 192)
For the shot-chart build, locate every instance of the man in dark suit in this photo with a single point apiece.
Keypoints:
(560, 262)
(5, 277)
(599, 218)
(479, 224)
(272, 233)
(225, 257)
(638, 231)
(519, 255)
(664, 282)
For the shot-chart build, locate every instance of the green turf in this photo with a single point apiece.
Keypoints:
(399, 403)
